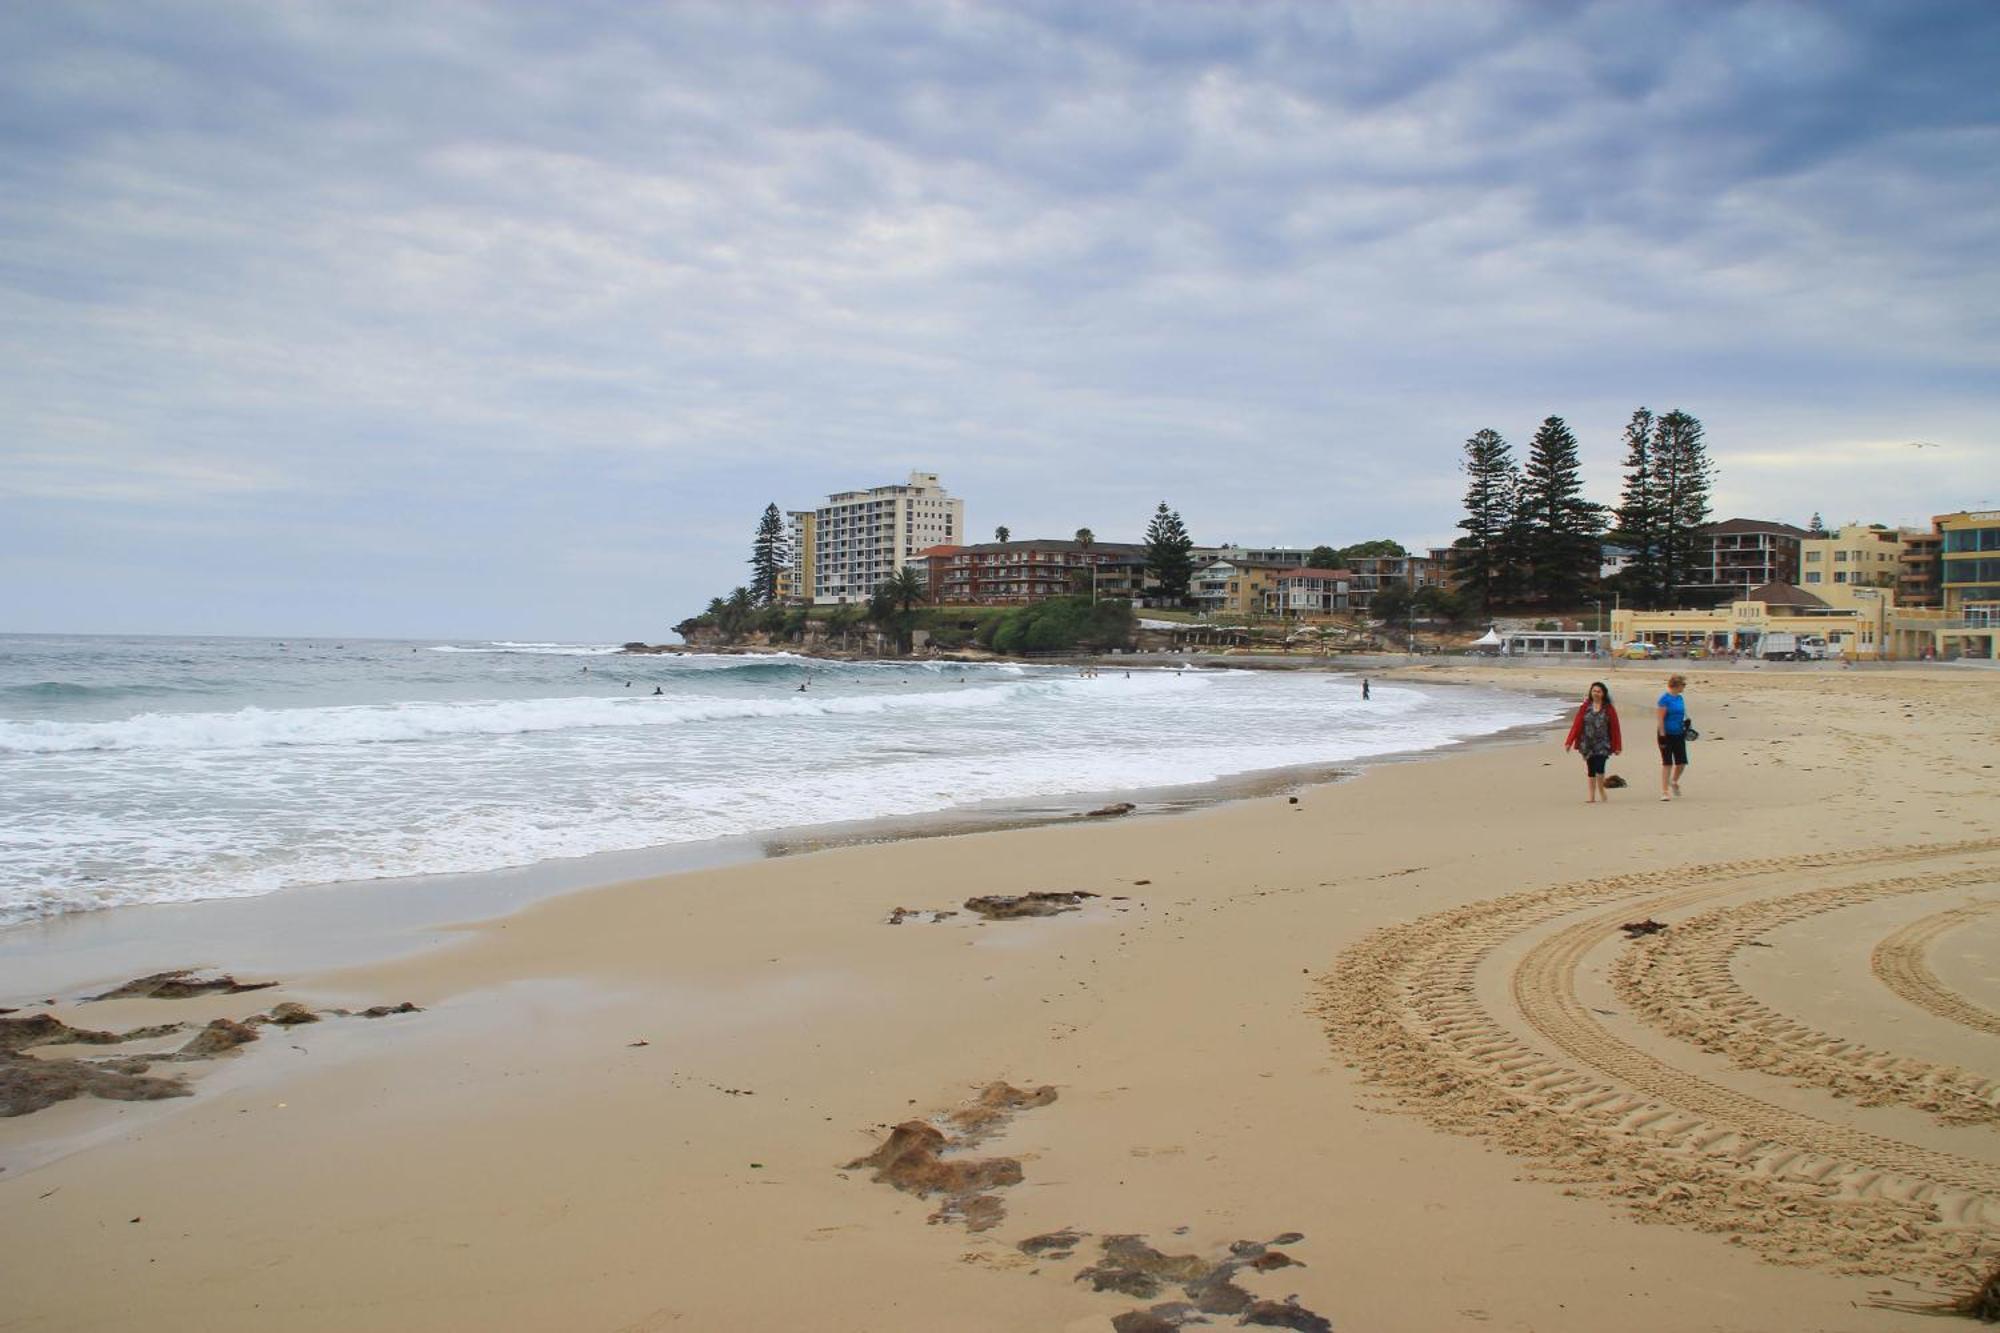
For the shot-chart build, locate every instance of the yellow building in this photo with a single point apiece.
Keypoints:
(1237, 587)
(796, 584)
(1858, 555)
(1854, 622)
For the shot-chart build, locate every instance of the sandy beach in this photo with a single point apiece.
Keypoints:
(1387, 1038)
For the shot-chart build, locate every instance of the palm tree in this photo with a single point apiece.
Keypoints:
(1002, 533)
(1086, 539)
(908, 588)
(733, 614)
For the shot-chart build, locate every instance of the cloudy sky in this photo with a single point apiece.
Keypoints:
(507, 319)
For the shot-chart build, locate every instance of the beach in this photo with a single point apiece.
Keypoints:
(1384, 1035)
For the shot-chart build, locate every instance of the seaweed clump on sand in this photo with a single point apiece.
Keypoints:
(28, 1084)
(180, 984)
(1981, 1303)
(1008, 906)
(915, 1160)
(1131, 1267)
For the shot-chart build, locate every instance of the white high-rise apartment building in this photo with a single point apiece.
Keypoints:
(860, 538)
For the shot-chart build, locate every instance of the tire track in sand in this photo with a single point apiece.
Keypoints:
(1681, 981)
(1608, 1118)
(1898, 963)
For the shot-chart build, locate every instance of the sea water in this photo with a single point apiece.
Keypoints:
(137, 770)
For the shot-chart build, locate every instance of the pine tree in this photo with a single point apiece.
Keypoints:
(1565, 530)
(1513, 561)
(1167, 547)
(1640, 520)
(1684, 475)
(1479, 558)
(769, 554)
(1818, 526)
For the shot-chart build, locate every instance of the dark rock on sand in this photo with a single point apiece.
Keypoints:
(224, 1034)
(28, 1085)
(1634, 929)
(287, 1015)
(1007, 906)
(1109, 811)
(384, 1010)
(1159, 1319)
(180, 984)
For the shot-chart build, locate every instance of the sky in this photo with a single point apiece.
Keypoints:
(507, 320)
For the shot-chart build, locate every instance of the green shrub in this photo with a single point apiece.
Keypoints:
(1061, 624)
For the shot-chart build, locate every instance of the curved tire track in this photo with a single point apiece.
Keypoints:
(1681, 981)
(1403, 1004)
(1898, 963)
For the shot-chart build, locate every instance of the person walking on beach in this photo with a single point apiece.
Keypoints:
(1593, 733)
(1364, 689)
(1672, 727)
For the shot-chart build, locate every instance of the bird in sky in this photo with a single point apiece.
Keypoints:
(1922, 444)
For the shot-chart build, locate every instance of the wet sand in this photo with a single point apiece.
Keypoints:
(1391, 1034)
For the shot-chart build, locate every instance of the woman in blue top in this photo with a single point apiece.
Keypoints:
(1673, 738)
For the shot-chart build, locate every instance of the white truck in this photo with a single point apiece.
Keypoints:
(1779, 647)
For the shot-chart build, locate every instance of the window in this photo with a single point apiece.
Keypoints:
(1813, 556)
(1813, 576)
(1840, 557)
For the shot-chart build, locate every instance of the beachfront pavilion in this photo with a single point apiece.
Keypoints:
(1867, 625)
(1853, 630)
(1553, 643)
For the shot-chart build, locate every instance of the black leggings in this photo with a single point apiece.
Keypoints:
(1593, 764)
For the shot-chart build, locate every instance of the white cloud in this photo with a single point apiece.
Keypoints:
(1271, 262)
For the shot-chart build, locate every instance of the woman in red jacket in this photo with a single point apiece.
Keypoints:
(1594, 735)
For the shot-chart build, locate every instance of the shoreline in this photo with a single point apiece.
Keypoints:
(349, 922)
(630, 1109)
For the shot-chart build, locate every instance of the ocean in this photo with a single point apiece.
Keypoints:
(142, 770)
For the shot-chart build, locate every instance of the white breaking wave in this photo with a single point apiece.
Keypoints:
(256, 728)
(534, 649)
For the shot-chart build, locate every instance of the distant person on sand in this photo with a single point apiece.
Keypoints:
(1364, 689)
(1593, 733)
(1673, 718)
(658, 690)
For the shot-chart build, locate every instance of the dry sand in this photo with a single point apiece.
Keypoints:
(1396, 1020)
